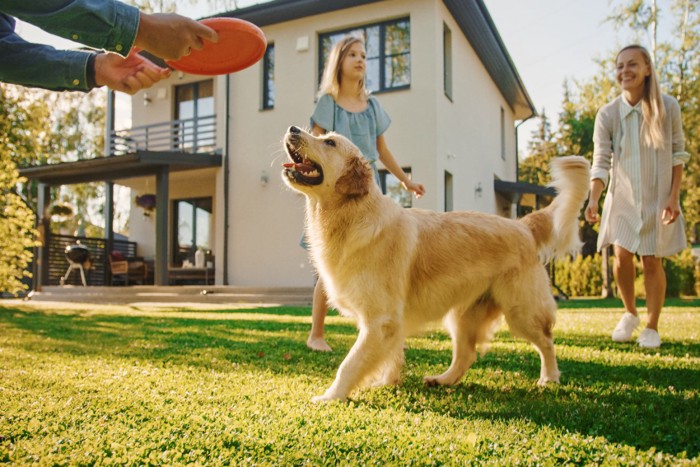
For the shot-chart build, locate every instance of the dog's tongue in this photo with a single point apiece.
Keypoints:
(303, 168)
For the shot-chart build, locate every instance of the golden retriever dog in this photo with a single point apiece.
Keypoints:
(396, 270)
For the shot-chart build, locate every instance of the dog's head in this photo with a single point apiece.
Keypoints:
(325, 165)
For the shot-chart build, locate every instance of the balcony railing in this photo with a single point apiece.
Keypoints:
(193, 135)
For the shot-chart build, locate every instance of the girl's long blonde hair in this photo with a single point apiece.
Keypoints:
(330, 81)
(653, 109)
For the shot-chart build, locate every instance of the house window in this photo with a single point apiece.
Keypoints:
(268, 87)
(388, 47)
(194, 111)
(391, 186)
(449, 202)
(503, 134)
(192, 228)
(447, 60)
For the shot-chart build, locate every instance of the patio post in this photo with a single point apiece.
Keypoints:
(162, 195)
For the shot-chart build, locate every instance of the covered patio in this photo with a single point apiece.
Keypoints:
(139, 163)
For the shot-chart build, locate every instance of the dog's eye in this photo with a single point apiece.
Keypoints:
(330, 142)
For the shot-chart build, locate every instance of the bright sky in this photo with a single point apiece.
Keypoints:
(548, 40)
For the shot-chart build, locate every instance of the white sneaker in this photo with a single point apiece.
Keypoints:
(625, 327)
(649, 339)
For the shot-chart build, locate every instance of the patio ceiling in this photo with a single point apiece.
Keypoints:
(109, 169)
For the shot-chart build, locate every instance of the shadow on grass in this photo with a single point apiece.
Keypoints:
(630, 404)
(617, 303)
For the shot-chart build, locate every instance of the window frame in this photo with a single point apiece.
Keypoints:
(503, 133)
(382, 57)
(447, 61)
(176, 255)
(268, 95)
(406, 196)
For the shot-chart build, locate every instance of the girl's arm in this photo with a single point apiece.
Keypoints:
(389, 161)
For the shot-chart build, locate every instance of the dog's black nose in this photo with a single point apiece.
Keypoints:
(294, 130)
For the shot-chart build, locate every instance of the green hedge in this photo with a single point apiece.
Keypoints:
(582, 277)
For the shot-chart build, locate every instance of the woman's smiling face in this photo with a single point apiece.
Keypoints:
(632, 70)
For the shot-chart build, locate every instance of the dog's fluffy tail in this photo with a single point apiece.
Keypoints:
(556, 228)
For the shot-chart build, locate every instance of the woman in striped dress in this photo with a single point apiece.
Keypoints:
(639, 154)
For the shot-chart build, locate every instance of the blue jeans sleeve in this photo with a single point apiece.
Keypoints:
(37, 65)
(104, 24)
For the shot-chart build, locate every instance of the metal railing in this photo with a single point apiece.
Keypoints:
(193, 135)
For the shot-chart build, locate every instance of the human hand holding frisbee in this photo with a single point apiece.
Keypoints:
(241, 44)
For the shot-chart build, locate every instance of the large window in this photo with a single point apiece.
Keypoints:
(388, 53)
(192, 228)
(392, 187)
(268, 85)
(194, 102)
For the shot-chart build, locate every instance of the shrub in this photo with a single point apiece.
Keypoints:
(579, 276)
(681, 274)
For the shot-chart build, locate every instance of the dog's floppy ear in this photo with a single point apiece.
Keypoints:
(356, 178)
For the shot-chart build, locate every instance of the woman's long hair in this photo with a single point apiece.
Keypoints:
(653, 109)
(330, 81)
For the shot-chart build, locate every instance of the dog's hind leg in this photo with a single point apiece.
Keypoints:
(376, 340)
(467, 329)
(533, 319)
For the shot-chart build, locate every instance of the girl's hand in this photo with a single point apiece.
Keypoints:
(672, 211)
(416, 188)
(591, 212)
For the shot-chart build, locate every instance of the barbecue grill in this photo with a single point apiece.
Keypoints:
(78, 257)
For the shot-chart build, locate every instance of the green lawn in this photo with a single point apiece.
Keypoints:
(146, 385)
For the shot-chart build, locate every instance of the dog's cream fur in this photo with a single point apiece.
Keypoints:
(396, 270)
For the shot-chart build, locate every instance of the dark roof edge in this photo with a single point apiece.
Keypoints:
(278, 11)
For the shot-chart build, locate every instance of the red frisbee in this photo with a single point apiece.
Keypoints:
(241, 44)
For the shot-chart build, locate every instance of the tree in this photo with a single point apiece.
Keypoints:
(16, 218)
(541, 149)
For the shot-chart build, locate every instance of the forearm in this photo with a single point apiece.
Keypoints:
(389, 161)
(42, 66)
(676, 178)
(103, 24)
(597, 187)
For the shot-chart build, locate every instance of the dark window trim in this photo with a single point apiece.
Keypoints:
(174, 260)
(195, 99)
(447, 61)
(270, 51)
(383, 173)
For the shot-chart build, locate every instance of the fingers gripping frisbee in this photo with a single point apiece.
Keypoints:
(241, 44)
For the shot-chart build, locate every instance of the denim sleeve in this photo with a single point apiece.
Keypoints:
(37, 65)
(104, 24)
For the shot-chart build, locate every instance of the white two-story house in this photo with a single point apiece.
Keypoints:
(210, 148)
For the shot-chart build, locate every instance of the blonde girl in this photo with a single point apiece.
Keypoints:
(639, 154)
(346, 107)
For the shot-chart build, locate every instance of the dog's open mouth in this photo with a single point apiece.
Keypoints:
(302, 170)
